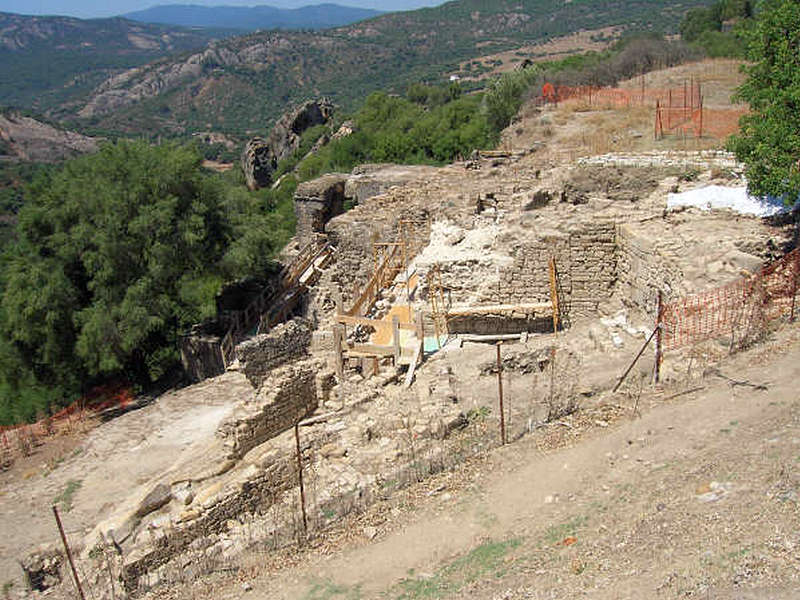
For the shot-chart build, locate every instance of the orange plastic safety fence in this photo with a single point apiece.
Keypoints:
(767, 295)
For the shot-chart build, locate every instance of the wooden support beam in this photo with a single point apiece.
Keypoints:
(532, 308)
(359, 350)
(376, 323)
(554, 293)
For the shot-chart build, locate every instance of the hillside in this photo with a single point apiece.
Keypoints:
(252, 18)
(241, 85)
(48, 61)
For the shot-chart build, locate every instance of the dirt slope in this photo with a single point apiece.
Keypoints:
(697, 497)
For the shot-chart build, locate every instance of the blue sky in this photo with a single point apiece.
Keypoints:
(93, 8)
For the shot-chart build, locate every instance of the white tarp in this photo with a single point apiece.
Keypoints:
(734, 198)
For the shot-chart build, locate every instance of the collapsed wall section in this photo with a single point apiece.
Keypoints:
(317, 202)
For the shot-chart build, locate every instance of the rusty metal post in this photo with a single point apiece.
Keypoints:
(68, 552)
(635, 360)
(300, 475)
(659, 340)
(500, 393)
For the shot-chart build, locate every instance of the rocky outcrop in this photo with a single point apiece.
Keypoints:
(24, 138)
(42, 569)
(261, 157)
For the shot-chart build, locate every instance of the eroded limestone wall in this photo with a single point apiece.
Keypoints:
(284, 343)
(288, 395)
(586, 266)
(643, 271)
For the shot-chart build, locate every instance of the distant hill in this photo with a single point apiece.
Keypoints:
(241, 85)
(27, 139)
(321, 16)
(49, 61)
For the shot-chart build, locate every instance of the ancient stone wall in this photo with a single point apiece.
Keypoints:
(317, 202)
(284, 343)
(287, 395)
(586, 267)
(643, 271)
(592, 267)
(201, 356)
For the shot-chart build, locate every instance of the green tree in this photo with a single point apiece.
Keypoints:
(116, 254)
(769, 141)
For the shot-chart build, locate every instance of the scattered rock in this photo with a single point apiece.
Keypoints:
(42, 569)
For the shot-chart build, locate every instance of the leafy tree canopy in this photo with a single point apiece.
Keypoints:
(769, 141)
(116, 254)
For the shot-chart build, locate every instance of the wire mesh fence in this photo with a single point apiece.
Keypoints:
(740, 309)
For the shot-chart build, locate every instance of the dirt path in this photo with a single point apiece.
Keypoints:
(698, 497)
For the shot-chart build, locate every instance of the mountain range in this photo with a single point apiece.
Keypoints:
(252, 18)
(240, 85)
(47, 62)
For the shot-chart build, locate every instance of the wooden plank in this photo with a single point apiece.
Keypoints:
(500, 337)
(348, 320)
(554, 293)
(359, 350)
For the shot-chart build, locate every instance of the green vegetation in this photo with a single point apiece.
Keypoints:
(769, 142)
(393, 129)
(557, 533)
(485, 560)
(68, 494)
(718, 29)
(326, 590)
(116, 254)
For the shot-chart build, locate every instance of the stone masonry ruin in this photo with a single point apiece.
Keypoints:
(365, 431)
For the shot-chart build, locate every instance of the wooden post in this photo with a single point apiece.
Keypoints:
(68, 553)
(300, 475)
(554, 293)
(500, 394)
(396, 339)
(659, 338)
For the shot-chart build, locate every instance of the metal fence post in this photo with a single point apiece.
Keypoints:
(659, 340)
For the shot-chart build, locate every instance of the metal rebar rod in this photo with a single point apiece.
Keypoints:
(500, 393)
(635, 360)
(68, 552)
